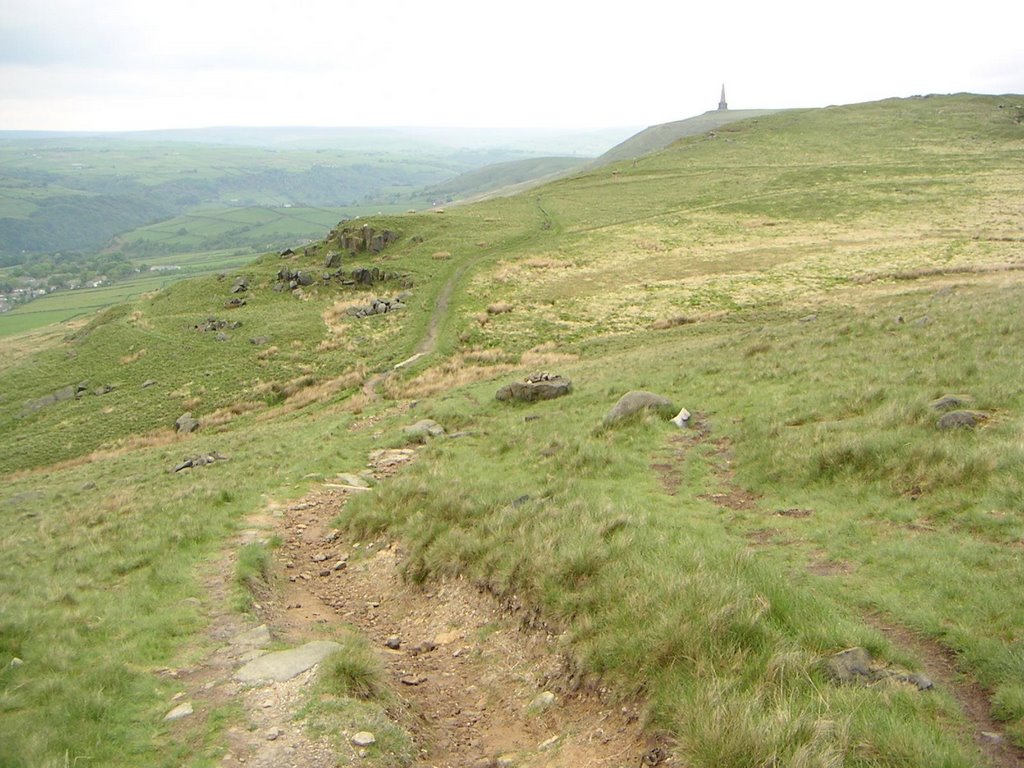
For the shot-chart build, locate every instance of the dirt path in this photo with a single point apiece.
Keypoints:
(483, 689)
(428, 343)
(478, 688)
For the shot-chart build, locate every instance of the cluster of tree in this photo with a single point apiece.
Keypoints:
(67, 270)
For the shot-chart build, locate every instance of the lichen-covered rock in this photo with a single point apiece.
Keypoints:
(639, 400)
(540, 386)
(946, 402)
(185, 423)
(960, 420)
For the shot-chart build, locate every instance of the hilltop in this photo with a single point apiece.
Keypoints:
(833, 296)
(657, 137)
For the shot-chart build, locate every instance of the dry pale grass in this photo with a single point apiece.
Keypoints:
(326, 389)
(487, 356)
(441, 256)
(265, 354)
(544, 355)
(129, 359)
(672, 322)
(305, 390)
(454, 372)
(156, 439)
(519, 270)
(19, 346)
(228, 414)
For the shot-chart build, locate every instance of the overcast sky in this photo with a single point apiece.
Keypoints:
(138, 64)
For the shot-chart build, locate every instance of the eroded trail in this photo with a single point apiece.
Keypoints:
(476, 682)
(428, 343)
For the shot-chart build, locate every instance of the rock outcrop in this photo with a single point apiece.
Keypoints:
(537, 386)
(365, 238)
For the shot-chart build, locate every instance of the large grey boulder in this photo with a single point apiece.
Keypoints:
(639, 400)
(186, 424)
(960, 420)
(540, 386)
(424, 428)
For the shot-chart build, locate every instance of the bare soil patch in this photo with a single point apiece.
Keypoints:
(467, 670)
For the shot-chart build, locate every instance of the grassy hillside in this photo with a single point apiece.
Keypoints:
(806, 285)
(658, 137)
(501, 176)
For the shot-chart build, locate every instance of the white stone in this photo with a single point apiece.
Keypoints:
(682, 419)
(542, 701)
(548, 743)
(364, 739)
(180, 711)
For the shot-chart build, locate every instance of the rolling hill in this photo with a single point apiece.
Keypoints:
(832, 294)
(657, 137)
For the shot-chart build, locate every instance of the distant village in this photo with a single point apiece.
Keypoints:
(29, 288)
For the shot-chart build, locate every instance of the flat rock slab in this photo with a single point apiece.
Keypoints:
(259, 637)
(284, 665)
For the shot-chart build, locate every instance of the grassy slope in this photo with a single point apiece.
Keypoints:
(861, 215)
(657, 137)
(493, 179)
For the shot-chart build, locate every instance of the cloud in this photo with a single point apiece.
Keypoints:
(70, 63)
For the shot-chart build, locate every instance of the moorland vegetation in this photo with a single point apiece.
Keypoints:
(807, 284)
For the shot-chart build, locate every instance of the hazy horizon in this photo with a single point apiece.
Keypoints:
(70, 65)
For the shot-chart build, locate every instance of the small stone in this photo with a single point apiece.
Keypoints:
(326, 572)
(505, 761)
(849, 666)
(273, 734)
(542, 701)
(394, 642)
(346, 478)
(682, 419)
(340, 565)
(364, 739)
(14, 663)
(413, 679)
(548, 743)
(180, 711)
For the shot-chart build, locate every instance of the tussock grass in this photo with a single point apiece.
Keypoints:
(665, 561)
(253, 574)
(354, 671)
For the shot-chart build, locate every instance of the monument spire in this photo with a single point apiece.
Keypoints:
(722, 106)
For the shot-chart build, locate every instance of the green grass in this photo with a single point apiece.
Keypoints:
(838, 270)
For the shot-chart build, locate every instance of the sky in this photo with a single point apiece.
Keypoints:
(107, 65)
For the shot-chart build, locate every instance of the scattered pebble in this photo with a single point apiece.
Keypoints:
(273, 734)
(542, 701)
(413, 679)
(180, 711)
(394, 642)
(364, 739)
(548, 743)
